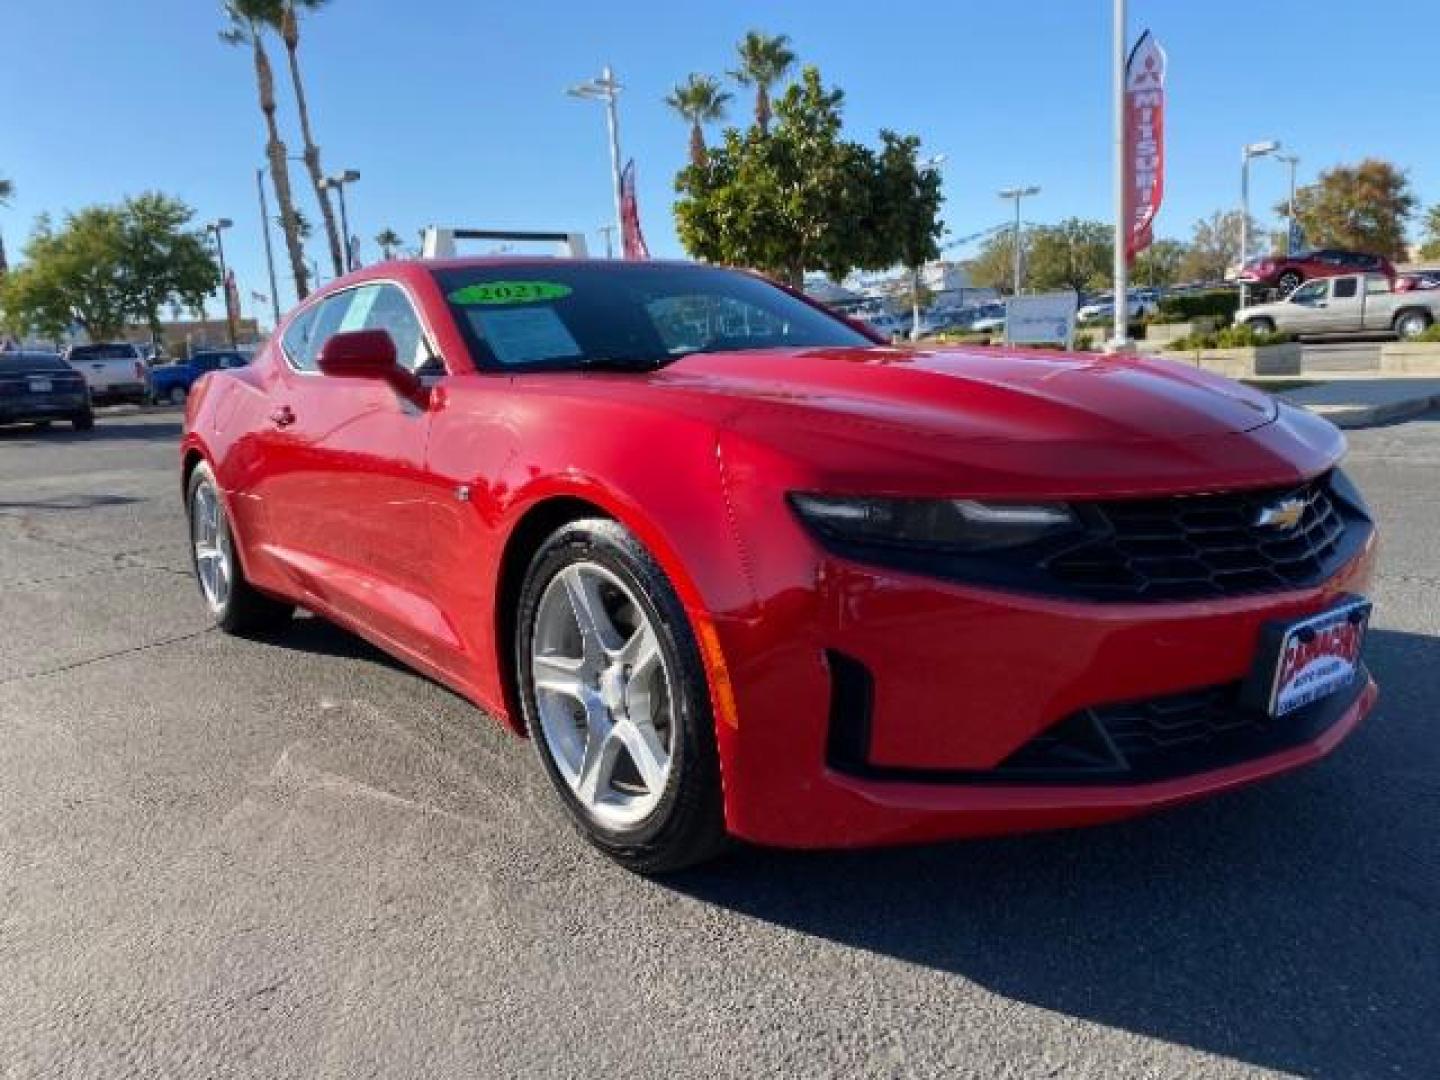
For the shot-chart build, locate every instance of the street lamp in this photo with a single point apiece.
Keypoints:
(1018, 193)
(1250, 150)
(606, 89)
(215, 228)
(349, 176)
(1291, 160)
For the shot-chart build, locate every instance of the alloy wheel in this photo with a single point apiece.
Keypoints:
(212, 546)
(603, 694)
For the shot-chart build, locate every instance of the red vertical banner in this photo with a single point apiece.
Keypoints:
(632, 240)
(1144, 142)
(232, 303)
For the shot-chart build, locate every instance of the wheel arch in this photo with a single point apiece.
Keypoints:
(1413, 309)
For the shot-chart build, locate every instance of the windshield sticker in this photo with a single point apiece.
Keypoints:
(509, 292)
(525, 335)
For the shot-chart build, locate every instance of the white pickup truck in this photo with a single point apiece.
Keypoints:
(1349, 304)
(114, 371)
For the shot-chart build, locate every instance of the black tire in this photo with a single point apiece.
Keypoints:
(246, 610)
(177, 395)
(1410, 324)
(1289, 281)
(687, 825)
(1260, 326)
(83, 421)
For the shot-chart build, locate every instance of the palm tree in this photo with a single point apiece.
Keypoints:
(289, 27)
(7, 191)
(389, 240)
(699, 100)
(248, 20)
(764, 61)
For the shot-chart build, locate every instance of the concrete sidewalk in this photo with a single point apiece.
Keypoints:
(1359, 400)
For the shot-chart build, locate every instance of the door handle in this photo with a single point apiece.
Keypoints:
(283, 416)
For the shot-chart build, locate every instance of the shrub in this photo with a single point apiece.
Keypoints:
(1431, 334)
(1217, 304)
(1232, 337)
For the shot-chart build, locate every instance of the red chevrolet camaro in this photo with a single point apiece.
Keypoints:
(739, 569)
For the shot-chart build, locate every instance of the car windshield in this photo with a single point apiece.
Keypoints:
(31, 361)
(566, 315)
(103, 352)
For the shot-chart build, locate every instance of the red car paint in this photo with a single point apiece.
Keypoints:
(1286, 272)
(396, 519)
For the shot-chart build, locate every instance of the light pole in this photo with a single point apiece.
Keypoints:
(608, 232)
(1018, 193)
(269, 252)
(216, 227)
(606, 89)
(1248, 151)
(338, 182)
(1291, 160)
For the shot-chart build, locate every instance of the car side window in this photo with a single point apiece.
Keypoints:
(330, 319)
(392, 312)
(299, 337)
(1309, 293)
(1345, 288)
(1374, 285)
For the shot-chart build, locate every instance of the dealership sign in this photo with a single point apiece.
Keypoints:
(1046, 318)
(1144, 142)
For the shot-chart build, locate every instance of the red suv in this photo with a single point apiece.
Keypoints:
(1288, 272)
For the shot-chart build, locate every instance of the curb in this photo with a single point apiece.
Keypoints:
(1363, 416)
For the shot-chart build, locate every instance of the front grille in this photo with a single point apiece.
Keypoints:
(1197, 546)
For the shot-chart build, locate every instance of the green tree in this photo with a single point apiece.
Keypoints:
(389, 242)
(1214, 246)
(107, 266)
(907, 210)
(1430, 239)
(165, 261)
(994, 266)
(1160, 263)
(1362, 207)
(288, 26)
(1075, 254)
(764, 60)
(700, 101)
(7, 191)
(802, 197)
(249, 20)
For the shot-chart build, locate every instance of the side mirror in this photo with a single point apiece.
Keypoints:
(366, 354)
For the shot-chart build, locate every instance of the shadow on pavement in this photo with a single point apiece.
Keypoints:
(1292, 925)
(103, 431)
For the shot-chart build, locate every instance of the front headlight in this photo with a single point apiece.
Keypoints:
(960, 526)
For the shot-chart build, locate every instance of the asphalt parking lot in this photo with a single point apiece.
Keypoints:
(292, 857)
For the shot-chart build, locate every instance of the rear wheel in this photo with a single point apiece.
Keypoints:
(177, 395)
(236, 606)
(1260, 326)
(83, 421)
(616, 701)
(1289, 281)
(1410, 324)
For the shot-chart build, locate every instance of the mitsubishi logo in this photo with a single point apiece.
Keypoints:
(1283, 515)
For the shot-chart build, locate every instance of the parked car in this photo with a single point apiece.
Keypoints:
(889, 595)
(989, 319)
(38, 387)
(1100, 309)
(1288, 272)
(1414, 280)
(115, 371)
(1354, 303)
(172, 382)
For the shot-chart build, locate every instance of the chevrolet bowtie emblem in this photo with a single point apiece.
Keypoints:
(1284, 514)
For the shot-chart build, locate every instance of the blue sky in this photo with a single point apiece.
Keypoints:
(455, 111)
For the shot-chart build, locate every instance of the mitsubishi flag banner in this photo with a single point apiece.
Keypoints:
(1144, 142)
(632, 240)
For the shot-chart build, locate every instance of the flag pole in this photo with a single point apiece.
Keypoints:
(1120, 342)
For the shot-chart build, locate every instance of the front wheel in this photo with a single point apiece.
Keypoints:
(236, 606)
(1260, 326)
(616, 701)
(1289, 281)
(177, 395)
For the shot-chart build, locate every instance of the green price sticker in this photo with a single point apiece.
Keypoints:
(509, 292)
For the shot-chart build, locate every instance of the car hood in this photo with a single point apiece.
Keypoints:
(973, 394)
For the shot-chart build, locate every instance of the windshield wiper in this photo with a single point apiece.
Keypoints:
(621, 363)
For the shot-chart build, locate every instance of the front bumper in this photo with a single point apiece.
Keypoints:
(961, 680)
